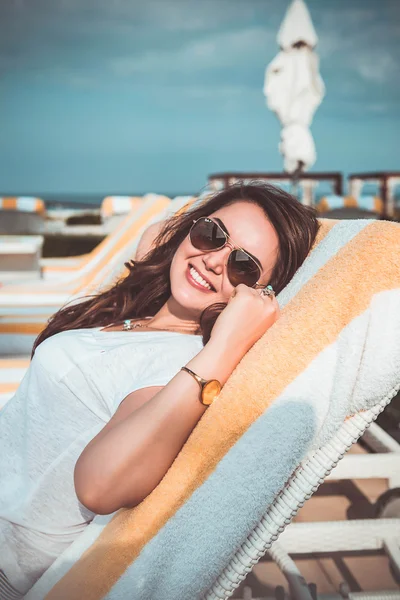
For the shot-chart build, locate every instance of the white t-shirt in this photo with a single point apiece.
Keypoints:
(71, 390)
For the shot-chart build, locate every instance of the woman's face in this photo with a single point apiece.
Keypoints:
(248, 228)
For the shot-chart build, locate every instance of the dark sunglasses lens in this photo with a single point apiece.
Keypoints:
(206, 235)
(242, 269)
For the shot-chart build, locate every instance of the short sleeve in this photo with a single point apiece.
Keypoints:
(164, 360)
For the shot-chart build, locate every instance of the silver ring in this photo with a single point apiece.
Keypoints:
(268, 291)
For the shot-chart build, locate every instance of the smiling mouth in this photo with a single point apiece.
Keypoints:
(197, 280)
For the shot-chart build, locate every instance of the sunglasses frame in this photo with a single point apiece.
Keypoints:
(228, 240)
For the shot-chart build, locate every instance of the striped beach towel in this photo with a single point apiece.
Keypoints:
(23, 204)
(334, 351)
(367, 203)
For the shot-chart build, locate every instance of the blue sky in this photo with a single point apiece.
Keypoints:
(132, 96)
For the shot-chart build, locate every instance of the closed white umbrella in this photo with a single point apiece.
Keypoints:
(294, 88)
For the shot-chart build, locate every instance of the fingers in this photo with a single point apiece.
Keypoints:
(270, 301)
(240, 289)
(267, 292)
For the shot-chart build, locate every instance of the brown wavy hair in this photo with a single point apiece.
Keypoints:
(146, 287)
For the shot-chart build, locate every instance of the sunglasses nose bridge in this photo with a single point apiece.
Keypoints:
(217, 260)
(229, 244)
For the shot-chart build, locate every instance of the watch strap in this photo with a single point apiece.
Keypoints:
(209, 389)
(199, 379)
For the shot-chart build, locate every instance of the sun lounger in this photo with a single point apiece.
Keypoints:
(58, 268)
(370, 205)
(21, 215)
(19, 331)
(24, 310)
(94, 261)
(154, 208)
(339, 539)
(313, 537)
(111, 205)
(20, 257)
(70, 261)
(113, 208)
(297, 401)
(124, 243)
(20, 305)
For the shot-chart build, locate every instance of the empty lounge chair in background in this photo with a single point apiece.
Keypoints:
(21, 215)
(24, 310)
(349, 207)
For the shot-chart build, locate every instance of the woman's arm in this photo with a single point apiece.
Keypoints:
(130, 456)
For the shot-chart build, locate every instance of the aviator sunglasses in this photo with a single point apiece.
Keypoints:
(207, 234)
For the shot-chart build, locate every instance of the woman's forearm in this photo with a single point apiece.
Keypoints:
(121, 467)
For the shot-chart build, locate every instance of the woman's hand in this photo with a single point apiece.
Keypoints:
(246, 318)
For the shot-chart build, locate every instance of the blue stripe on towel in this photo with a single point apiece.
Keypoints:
(185, 558)
(337, 238)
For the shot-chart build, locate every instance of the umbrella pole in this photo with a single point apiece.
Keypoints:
(295, 191)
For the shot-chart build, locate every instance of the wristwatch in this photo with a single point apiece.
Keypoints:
(209, 389)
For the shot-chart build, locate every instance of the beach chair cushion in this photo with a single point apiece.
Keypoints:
(366, 203)
(334, 351)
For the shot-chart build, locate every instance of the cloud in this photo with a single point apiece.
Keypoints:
(123, 36)
(171, 15)
(361, 41)
(193, 15)
(74, 78)
(227, 49)
(377, 107)
(376, 67)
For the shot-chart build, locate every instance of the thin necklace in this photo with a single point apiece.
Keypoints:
(128, 325)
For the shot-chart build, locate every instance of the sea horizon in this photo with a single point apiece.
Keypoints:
(82, 200)
(93, 200)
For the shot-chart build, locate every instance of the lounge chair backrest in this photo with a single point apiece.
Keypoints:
(21, 215)
(297, 400)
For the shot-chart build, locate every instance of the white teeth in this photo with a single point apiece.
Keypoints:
(197, 277)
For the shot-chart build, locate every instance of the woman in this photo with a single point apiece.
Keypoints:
(105, 406)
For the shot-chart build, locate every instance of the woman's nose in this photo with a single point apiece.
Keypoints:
(216, 261)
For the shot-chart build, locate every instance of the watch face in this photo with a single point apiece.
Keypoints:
(210, 391)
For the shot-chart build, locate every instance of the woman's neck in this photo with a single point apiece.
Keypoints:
(171, 316)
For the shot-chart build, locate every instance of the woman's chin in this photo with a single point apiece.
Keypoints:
(189, 301)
